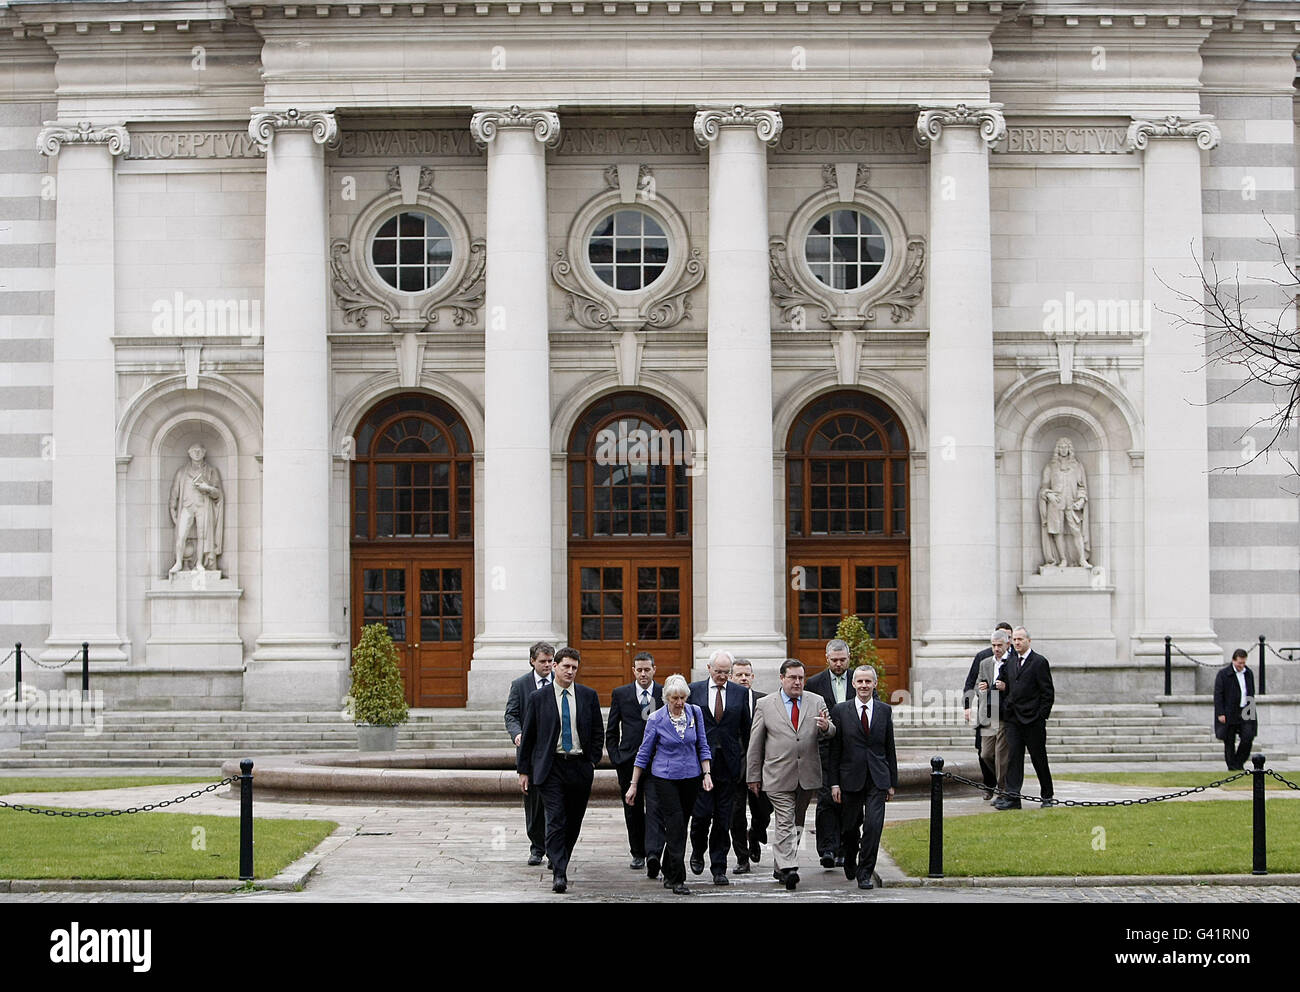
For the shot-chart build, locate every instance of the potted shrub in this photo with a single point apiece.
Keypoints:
(378, 702)
(862, 651)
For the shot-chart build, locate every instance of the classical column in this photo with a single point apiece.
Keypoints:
(1175, 489)
(959, 460)
(84, 565)
(518, 598)
(300, 661)
(741, 554)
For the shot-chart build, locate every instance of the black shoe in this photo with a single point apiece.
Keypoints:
(743, 869)
(839, 861)
(851, 866)
(637, 864)
(680, 889)
(534, 859)
(560, 884)
(697, 865)
(988, 794)
(721, 880)
(669, 885)
(1006, 804)
(1050, 802)
(549, 866)
(779, 874)
(866, 883)
(828, 861)
(755, 849)
(791, 879)
(652, 867)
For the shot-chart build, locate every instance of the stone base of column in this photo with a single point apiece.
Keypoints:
(288, 672)
(765, 650)
(102, 649)
(498, 660)
(941, 662)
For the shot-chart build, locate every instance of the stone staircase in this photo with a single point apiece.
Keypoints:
(1137, 732)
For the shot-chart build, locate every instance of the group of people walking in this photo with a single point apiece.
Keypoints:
(696, 761)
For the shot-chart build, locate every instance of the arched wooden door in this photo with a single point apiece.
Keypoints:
(413, 542)
(629, 540)
(847, 529)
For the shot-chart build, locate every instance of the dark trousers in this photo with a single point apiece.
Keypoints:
(1031, 737)
(828, 823)
(863, 811)
(711, 825)
(565, 793)
(535, 821)
(1236, 757)
(988, 772)
(760, 815)
(671, 799)
(634, 816)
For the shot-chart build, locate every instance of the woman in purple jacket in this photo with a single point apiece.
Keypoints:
(676, 751)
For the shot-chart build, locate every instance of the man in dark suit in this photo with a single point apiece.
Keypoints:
(558, 753)
(863, 772)
(1234, 710)
(1027, 681)
(726, 726)
(834, 687)
(987, 768)
(541, 656)
(747, 841)
(629, 705)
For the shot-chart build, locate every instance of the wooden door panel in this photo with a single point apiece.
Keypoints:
(445, 626)
(381, 594)
(599, 630)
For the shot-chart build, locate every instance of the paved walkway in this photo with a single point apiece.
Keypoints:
(461, 852)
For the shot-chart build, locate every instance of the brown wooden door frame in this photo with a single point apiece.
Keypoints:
(432, 676)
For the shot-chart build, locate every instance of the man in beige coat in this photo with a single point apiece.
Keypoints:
(784, 761)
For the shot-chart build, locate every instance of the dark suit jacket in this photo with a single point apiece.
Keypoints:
(821, 684)
(542, 731)
(729, 740)
(520, 689)
(1227, 698)
(973, 677)
(1030, 692)
(627, 720)
(753, 696)
(858, 761)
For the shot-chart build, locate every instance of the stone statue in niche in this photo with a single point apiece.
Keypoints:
(197, 504)
(1063, 509)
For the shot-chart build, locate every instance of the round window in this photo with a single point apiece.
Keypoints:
(628, 250)
(411, 252)
(845, 249)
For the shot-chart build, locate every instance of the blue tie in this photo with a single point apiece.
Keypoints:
(566, 728)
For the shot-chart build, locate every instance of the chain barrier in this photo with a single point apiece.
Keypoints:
(1287, 782)
(5, 659)
(65, 664)
(1277, 654)
(1203, 664)
(119, 812)
(1143, 801)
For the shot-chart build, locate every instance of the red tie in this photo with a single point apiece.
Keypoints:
(866, 722)
(794, 713)
(717, 703)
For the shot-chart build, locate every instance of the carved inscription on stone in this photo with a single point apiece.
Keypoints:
(1056, 140)
(192, 145)
(628, 141)
(413, 143)
(848, 140)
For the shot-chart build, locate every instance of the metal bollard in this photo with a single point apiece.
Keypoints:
(18, 680)
(85, 670)
(936, 817)
(1260, 866)
(246, 820)
(1262, 690)
(1169, 666)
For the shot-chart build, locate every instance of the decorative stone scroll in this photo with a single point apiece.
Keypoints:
(545, 124)
(931, 122)
(55, 134)
(1172, 126)
(709, 123)
(323, 125)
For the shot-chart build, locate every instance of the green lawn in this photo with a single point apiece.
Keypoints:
(148, 845)
(54, 784)
(1178, 780)
(1168, 838)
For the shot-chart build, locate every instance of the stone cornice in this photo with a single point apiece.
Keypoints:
(709, 122)
(931, 121)
(545, 124)
(1173, 126)
(55, 134)
(323, 125)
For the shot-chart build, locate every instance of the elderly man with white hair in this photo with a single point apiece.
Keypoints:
(726, 723)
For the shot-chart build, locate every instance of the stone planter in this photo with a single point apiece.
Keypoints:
(370, 738)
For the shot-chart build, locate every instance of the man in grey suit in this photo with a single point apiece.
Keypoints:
(863, 773)
(991, 709)
(784, 761)
(541, 656)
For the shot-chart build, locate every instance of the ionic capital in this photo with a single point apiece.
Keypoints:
(1172, 126)
(931, 121)
(545, 124)
(767, 124)
(264, 125)
(55, 134)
